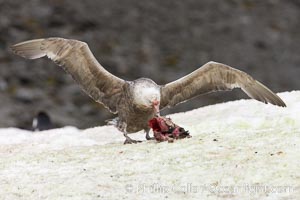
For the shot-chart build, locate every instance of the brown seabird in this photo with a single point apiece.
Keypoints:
(138, 101)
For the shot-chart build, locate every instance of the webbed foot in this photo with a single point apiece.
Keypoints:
(148, 137)
(131, 141)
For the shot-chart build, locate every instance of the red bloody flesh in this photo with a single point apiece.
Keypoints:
(164, 129)
(154, 124)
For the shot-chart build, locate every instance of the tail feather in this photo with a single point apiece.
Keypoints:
(29, 49)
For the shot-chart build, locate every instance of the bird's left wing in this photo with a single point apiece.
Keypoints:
(213, 77)
(76, 58)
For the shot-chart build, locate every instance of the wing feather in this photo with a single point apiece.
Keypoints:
(213, 77)
(76, 58)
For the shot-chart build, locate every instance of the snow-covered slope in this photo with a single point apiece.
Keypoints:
(239, 149)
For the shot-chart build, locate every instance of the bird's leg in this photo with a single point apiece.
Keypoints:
(128, 140)
(148, 137)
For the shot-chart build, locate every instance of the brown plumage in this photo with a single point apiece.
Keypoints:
(136, 102)
(213, 77)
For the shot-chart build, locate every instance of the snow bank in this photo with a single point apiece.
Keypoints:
(239, 149)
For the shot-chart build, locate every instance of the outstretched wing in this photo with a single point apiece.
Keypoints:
(76, 58)
(213, 77)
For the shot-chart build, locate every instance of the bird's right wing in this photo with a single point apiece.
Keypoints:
(213, 77)
(76, 58)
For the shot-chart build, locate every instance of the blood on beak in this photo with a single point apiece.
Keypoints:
(155, 104)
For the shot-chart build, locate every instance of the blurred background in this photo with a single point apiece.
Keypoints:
(160, 39)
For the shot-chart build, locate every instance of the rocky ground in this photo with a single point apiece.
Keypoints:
(163, 40)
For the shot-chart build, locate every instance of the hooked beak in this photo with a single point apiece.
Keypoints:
(155, 105)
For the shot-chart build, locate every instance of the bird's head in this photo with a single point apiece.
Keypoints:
(147, 96)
